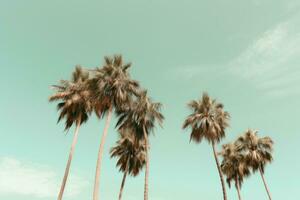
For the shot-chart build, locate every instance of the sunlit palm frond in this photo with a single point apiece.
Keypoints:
(233, 164)
(140, 113)
(112, 86)
(74, 98)
(257, 151)
(130, 153)
(208, 120)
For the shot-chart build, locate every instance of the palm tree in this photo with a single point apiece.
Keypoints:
(131, 155)
(208, 121)
(74, 106)
(234, 166)
(112, 89)
(257, 151)
(141, 117)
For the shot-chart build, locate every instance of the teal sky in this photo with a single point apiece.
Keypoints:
(244, 53)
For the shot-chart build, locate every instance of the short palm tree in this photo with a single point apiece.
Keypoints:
(131, 155)
(75, 107)
(257, 152)
(208, 121)
(141, 117)
(233, 166)
(112, 89)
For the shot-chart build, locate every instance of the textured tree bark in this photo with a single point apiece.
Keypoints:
(237, 186)
(220, 172)
(265, 184)
(122, 185)
(147, 165)
(67, 170)
(100, 154)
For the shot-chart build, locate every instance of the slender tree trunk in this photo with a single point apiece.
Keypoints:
(122, 185)
(62, 188)
(220, 172)
(147, 165)
(237, 186)
(124, 178)
(265, 184)
(100, 153)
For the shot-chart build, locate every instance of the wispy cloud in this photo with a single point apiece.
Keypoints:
(26, 178)
(271, 63)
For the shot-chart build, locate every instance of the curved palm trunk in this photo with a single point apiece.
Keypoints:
(62, 188)
(100, 153)
(147, 165)
(237, 186)
(219, 170)
(124, 178)
(265, 184)
(122, 185)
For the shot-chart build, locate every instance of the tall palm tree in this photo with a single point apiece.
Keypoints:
(141, 117)
(112, 89)
(233, 166)
(74, 106)
(257, 151)
(208, 121)
(131, 155)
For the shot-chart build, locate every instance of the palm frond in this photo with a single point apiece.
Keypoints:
(74, 98)
(208, 119)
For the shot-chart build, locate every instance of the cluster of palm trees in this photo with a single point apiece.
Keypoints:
(248, 153)
(109, 89)
(105, 90)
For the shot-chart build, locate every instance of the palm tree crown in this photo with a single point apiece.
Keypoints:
(112, 85)
(233, 165)
(130, 153)
(140, 114)
(257, 151)
(74, 97)
(208, 120)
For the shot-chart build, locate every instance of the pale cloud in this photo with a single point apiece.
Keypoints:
(31, 179)
(271, 62)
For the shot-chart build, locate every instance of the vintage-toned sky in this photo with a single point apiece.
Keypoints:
(244, 53)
